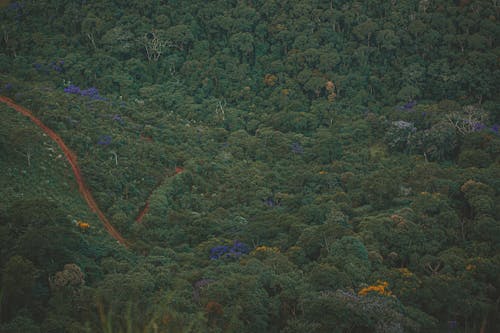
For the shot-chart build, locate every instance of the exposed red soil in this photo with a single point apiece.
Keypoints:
(143, 212)
(145, 209)
(71, 156)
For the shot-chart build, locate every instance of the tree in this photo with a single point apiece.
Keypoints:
(468, 120)
(118, 41)
(20, 324)
(327, 147)
(25, 141)
(155, 44)
(436, 143)
(387, 40)
(365, 31)
(350, 255)
(92, 30)
(242, 44)
(381, 187)
(179, 37)
(18, 280)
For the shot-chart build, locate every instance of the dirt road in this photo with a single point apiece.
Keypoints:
(70, 155)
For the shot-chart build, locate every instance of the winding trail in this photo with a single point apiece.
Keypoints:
(71, 156)
(145, 208)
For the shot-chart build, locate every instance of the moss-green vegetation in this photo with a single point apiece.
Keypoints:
(290, 154)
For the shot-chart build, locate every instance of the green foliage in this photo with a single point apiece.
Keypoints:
(381, 188)
(18, 281)
(20, 324)
(344, 142)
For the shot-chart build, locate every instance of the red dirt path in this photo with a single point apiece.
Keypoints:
(145, 210)
(70, 155)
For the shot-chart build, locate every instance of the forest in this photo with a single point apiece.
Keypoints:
(292, 166)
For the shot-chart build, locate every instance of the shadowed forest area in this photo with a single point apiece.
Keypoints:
(273, 166)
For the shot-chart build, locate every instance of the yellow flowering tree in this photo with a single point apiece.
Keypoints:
(380, 287)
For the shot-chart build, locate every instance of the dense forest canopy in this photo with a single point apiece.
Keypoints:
(275, 166)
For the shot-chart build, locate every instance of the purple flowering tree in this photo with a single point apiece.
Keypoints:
(495, 128)
(104, 140)
(408, 106)
(91, 92)
(469, 119)
(297, 148)
(72, 89)
(229, 252)
(118, 118)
